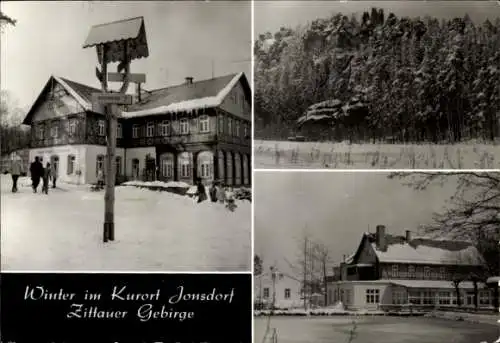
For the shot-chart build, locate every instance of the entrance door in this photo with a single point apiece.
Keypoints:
(54, 162)
(135, 169)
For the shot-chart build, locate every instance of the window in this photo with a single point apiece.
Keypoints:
(71, 164)
(237, 128)
(185, 169)
(72, 127)
(266, 292)
(99, 164)
(444, 298)
(150, 129)
(414, 297)
(428, 297)
(411, 272)
(288, 293)
(102, 131)
(399, 297)
(135, 131)
(205, 170)
(165, 128)
(221, 124)
(39, 132)
(54, 130)
(395, 270)
(442, 273)
(484, 298)
(204, 124)
(230, 126)
(119, 130)
(427, 272)
(184, 126)
(372, 296)
(167, 168)
(245, 131)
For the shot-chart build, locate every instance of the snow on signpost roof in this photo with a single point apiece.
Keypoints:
(114, 31)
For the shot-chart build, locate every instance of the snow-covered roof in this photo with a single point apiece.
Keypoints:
(85, 103)
(188, 105)
(179, 98)
(428, 254)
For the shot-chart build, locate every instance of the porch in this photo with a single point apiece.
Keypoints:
(168, 163)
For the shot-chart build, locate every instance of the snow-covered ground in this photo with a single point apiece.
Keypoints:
(288, 154)
(154, 231)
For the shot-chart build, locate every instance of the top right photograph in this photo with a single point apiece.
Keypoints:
(377, 85)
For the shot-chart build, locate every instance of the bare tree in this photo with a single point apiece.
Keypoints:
(312, 263)
(474, 211)
(473, 214)
(5, 19)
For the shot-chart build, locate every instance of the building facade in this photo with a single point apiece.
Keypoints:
(195, 129)
(389, 271)
(286, 287)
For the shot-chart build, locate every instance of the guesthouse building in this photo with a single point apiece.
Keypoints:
(177, 133)
(285, 291)
(393, 272)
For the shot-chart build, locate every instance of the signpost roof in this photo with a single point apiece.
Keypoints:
(114, 31)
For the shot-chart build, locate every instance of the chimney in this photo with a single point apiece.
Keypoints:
(189, 80)
(380, 236)
(408, 236)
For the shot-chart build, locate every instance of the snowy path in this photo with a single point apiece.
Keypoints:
(155, 231)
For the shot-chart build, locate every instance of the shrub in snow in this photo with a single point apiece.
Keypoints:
(243, 194)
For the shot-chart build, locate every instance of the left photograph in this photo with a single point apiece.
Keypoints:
(126, 136)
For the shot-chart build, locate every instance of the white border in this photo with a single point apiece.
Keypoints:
(252, 90)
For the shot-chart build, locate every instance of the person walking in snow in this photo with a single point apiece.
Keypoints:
(54, 174)
(213, 192)
(231, 205)
(221, 193)
(46, 178)
(201, 193)
(100, 179)
(36, 171)
(16, 169)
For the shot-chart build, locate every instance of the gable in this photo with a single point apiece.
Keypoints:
(237, 101)
(55, 102)
(57, 99)
(366, 255)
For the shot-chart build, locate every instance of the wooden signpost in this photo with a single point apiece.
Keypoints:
(119, 77)
(112, 98)
(120, 41)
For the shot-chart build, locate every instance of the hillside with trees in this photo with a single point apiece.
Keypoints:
(381, 78)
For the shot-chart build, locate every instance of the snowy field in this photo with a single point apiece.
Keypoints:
(154, 231)
(375, 330)
(296, 155)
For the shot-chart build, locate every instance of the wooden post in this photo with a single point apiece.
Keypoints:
(109, 196)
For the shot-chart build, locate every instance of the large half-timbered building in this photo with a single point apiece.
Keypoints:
(195, 129)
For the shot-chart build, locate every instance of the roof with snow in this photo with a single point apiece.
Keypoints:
(422, 251)
(179, 98)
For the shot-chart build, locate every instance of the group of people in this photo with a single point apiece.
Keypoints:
(217, 193)
(38, 172)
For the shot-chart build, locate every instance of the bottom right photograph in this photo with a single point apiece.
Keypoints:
(376, 257)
